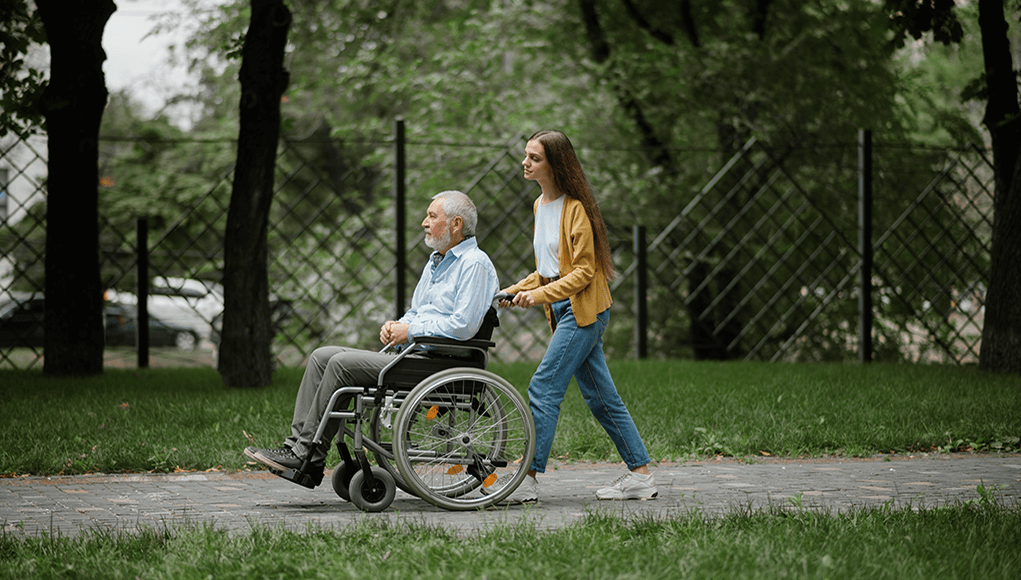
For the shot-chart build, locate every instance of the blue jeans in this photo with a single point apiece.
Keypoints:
(578, 352)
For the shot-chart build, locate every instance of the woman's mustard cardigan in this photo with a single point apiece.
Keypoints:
(580, 277)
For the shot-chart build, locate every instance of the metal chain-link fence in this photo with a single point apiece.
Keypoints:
(760, 262)
(763, 262)
(932, 261)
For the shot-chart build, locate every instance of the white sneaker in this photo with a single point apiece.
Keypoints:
(630, 486)
(527, 492)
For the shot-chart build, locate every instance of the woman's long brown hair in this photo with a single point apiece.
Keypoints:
(569, 179)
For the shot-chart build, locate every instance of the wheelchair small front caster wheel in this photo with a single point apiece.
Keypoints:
(375, 496)
(342, 480)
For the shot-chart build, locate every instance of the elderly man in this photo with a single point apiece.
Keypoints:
(453, 295)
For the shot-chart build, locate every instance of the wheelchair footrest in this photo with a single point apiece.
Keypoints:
(309, 480)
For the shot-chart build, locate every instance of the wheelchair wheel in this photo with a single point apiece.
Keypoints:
(375, 496)
(383, 435)
(463, 439)
(341, 481)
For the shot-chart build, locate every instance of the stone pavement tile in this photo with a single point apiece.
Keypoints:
(238, 501)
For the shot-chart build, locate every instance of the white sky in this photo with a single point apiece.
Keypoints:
(139, 63)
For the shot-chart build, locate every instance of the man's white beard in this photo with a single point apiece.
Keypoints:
(438, 242)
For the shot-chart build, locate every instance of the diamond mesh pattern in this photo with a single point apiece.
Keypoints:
(22, 244)
(761, 263)
(933, 262)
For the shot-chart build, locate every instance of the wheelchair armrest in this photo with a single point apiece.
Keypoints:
(471, 343)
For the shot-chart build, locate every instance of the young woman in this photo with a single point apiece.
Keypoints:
(573, 264)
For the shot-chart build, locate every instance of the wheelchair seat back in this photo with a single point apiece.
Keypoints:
(443, 354)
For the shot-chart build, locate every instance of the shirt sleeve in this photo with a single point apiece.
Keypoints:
(530, 283)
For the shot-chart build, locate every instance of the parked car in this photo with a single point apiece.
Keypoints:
(122, 327)
(184, 302)
(22, 323)
(21, 319)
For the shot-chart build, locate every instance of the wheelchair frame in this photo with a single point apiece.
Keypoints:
(455, 431)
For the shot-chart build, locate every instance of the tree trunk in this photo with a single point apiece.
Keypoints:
(1001, 331)
(245, 357)
(73, 104)
(700, 330)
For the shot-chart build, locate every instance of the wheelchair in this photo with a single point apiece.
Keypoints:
(438, 425)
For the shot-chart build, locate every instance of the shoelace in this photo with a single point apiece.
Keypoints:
(620, 480)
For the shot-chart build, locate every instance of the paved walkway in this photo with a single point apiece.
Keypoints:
(40, 506)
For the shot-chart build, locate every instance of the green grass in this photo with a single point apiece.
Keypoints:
(167, 419)
(162, 420)
(947, 543)
(689, 409)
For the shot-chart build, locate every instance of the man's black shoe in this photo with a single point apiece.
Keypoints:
(280, 459)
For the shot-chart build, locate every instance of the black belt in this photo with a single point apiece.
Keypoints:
(546, 281)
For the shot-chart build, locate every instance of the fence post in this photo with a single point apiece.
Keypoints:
(641, 304)
(3, 194)
(865, 313)
(399, 210)
(142, 291)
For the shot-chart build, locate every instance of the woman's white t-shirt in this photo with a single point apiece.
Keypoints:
(546, 241)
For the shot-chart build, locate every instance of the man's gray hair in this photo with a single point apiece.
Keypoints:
(456, 203)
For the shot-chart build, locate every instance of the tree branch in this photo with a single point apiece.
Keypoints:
(759, 17)
(660, 35)
(598, 46)
(600, 49)
(689, 23)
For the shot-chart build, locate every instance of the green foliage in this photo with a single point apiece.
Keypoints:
(151, 169)
(914, 18)
(945, 87)
(132, 147)
(21, 83)
(466, 72)
(25, 244)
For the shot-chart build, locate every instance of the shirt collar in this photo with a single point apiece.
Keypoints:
(465, 245)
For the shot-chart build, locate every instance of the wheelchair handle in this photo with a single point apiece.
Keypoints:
(501, 296)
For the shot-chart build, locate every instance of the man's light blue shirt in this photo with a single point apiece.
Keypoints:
(452, 298)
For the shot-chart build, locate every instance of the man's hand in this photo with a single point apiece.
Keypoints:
(393, 332)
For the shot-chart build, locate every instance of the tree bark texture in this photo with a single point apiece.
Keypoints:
(73, 104)
(1001, 331)
(245, 356)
